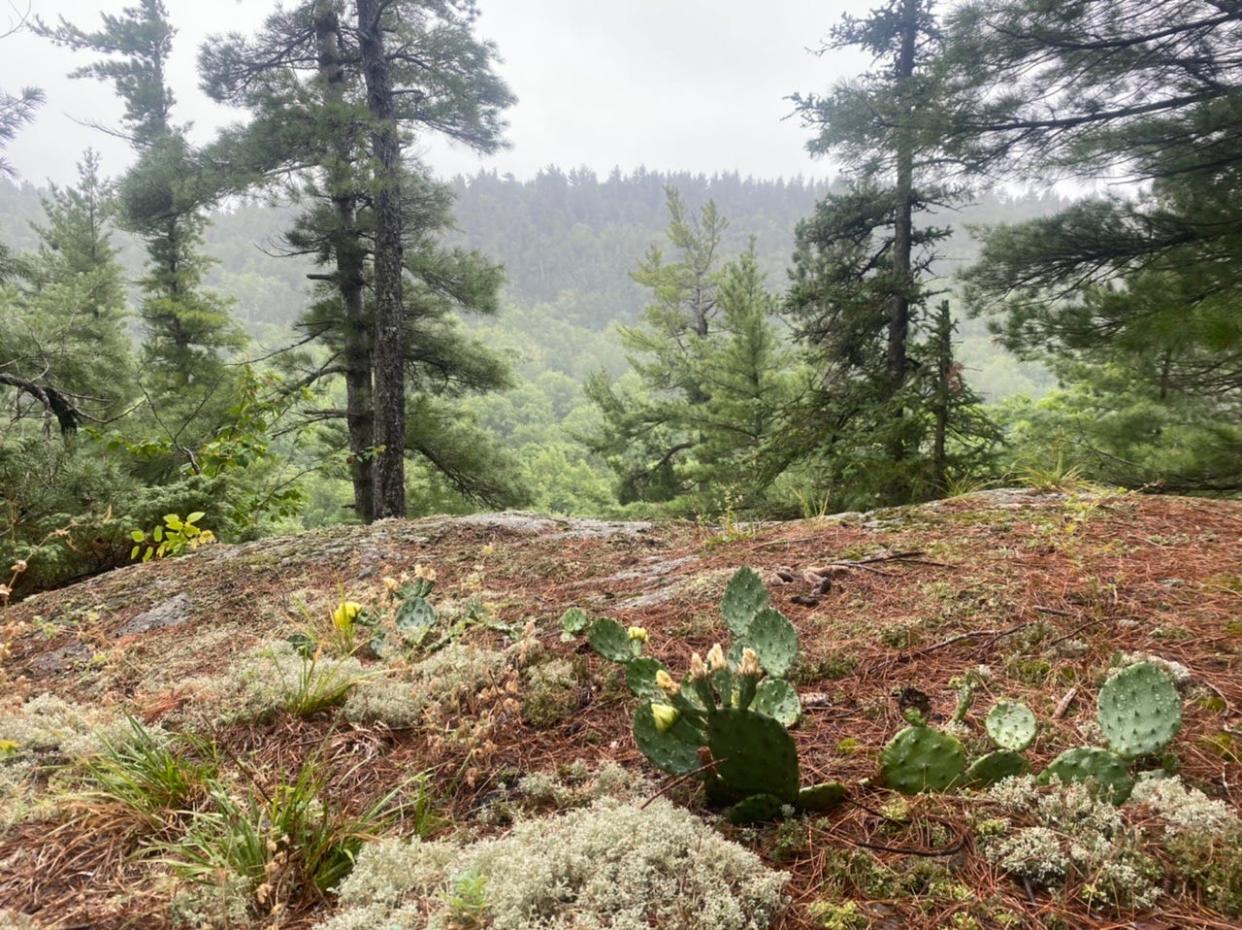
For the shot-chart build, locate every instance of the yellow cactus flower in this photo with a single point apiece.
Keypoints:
(638, 633)
(750, 664)
(18, 567)
(716, 659)
(665, 716)
(698, 670)
(666, 683)
(345, 614)
(424, 572)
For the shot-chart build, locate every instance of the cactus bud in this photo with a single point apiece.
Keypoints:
(345, 613)
(716, 659)
(666, 684)
(698, 670)
(18, 567)
(750, 666)
(665, 715)
(637, 633)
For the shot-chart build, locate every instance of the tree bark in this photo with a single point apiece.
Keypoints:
(389, 311)
(903, 224)
(349, 252)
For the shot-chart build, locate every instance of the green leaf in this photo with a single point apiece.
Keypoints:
(195, 516)
(610, 640)
(640, 675)
(574, 621)
(158, 534)
(743, 598)
(138, 536)
(776, 698)
(172, 521)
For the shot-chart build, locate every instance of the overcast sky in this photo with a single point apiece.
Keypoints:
(669, 84)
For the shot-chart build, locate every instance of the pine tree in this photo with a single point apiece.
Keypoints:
(162, 198)
(858, 300)
(304, 80)
(693, 418)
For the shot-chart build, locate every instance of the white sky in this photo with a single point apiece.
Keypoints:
(697, 85)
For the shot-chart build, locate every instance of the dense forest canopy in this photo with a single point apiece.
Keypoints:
(302, 325)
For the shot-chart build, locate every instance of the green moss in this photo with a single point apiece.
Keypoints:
(843, 915)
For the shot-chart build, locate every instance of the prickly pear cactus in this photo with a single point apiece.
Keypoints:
(816, 799)
(745, 596)
(776, 698)
(670, 747)
(1088, 763)
(610, 640)
(996, 766)
(755, 754)
(1139, 711)
(1011, 725)
(640, 675)
(758, 808)
(922, 759)
(774, 640)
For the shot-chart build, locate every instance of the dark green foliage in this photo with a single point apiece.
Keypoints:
(996, 766)
(610, 640)
(640, 675)
(922, 759)
(777, 699)
(674, 749)
(691, 424)
(818, 799)
(758, 808)
(1011, 725)
(1139, 711)
(755, 754)
(1089, 764)
(744, 597)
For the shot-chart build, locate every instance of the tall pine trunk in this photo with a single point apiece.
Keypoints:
(903, 235)
(941, 400)
(349, 252)
(389, 311)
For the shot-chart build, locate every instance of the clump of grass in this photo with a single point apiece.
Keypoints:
(289, 843)
(144, 775)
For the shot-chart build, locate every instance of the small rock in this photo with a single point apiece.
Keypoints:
(173, 612)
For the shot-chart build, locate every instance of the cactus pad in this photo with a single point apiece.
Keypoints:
(574, 621)
(675, 751)
(1011, 725)
(640, 675)
(758, 808)
(996, 766)
(414, 617)
(1106, 768)
(922, 759)
(743, 598)
(822, 797)
(755, 753)
(776, 698)
(1139, 711)
(610, 640)
(774, 640)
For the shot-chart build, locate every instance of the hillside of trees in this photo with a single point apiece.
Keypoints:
(303, 326)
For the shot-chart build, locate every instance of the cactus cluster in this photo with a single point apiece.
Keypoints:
(1139, 713)
(728, 717)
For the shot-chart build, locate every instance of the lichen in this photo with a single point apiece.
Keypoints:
(611, 866)
(551, 693)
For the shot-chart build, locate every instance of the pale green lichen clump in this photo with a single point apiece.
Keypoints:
(1076, 833)
(443, 680)
(611, 866)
